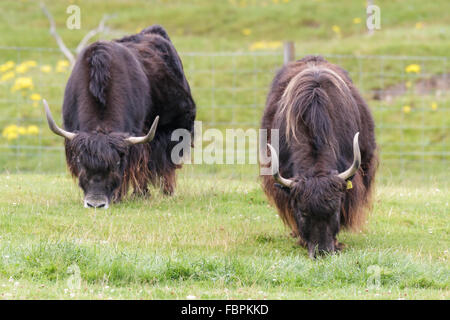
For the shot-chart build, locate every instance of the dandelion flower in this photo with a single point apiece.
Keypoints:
(35, 97)
(22, 68)
(30, 63)
(12, 136)
(7, 76)
(406, 109)
(356, 20)
(246, 32)
(62, 66)
(413, 68)
(264, 45)
(11, 132)
(258, 45)
(274, 44)
(21, 130)
(7, 66)
(434, 106)
(63, 63)
(46, 68)
(419, 25)
(32, 130)
(9, 129)
(336, 29)
(22, 83)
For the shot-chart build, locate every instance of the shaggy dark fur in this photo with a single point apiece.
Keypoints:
(116, 90)
(317, 110)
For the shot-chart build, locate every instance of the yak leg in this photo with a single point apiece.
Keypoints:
(141, 191)
(339, 245)
(168, 182)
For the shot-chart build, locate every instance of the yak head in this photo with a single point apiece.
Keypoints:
(100, 160)
(316, 203)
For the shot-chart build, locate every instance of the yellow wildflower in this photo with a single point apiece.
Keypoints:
(7, 66)
(22, 130)
(63, 63)
(9, 129)
(22, 83)
(7, 76)
(35, 97)
(11, 132)
(406, 109)
(21, 68)
(246, 32)
(262, 45)
(62, 66)
(356, 20)
(12, 136)
(419, 25)
(336, 29)
(30, 63)
(413, 68)
(434, 106)
(32, 130)
(46, 68)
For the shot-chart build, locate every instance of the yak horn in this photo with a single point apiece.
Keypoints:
(350, 172)
(149, 137)
(275, 169)
(51, 123)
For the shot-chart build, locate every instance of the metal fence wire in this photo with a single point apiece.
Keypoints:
(408, 96)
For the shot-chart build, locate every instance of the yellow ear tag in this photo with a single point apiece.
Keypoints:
(349, 185)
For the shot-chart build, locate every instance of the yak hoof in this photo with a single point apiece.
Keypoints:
(339, 246)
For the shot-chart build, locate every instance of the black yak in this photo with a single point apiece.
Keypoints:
(122, 102)
(323, 175)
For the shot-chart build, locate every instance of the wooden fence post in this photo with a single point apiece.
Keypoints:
(289, 51)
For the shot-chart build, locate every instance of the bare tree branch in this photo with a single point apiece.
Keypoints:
(92, 33)
(55, 35)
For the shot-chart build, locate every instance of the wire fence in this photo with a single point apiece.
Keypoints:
(408, 96)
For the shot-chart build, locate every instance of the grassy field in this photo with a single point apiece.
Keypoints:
(218, 237)
(214, 239)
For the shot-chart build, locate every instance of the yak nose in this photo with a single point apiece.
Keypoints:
(96, 203)
(315, 251)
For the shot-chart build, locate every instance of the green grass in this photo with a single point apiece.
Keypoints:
(193, 23)
(216, 238)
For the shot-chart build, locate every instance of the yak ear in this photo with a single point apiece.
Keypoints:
(281, 187)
